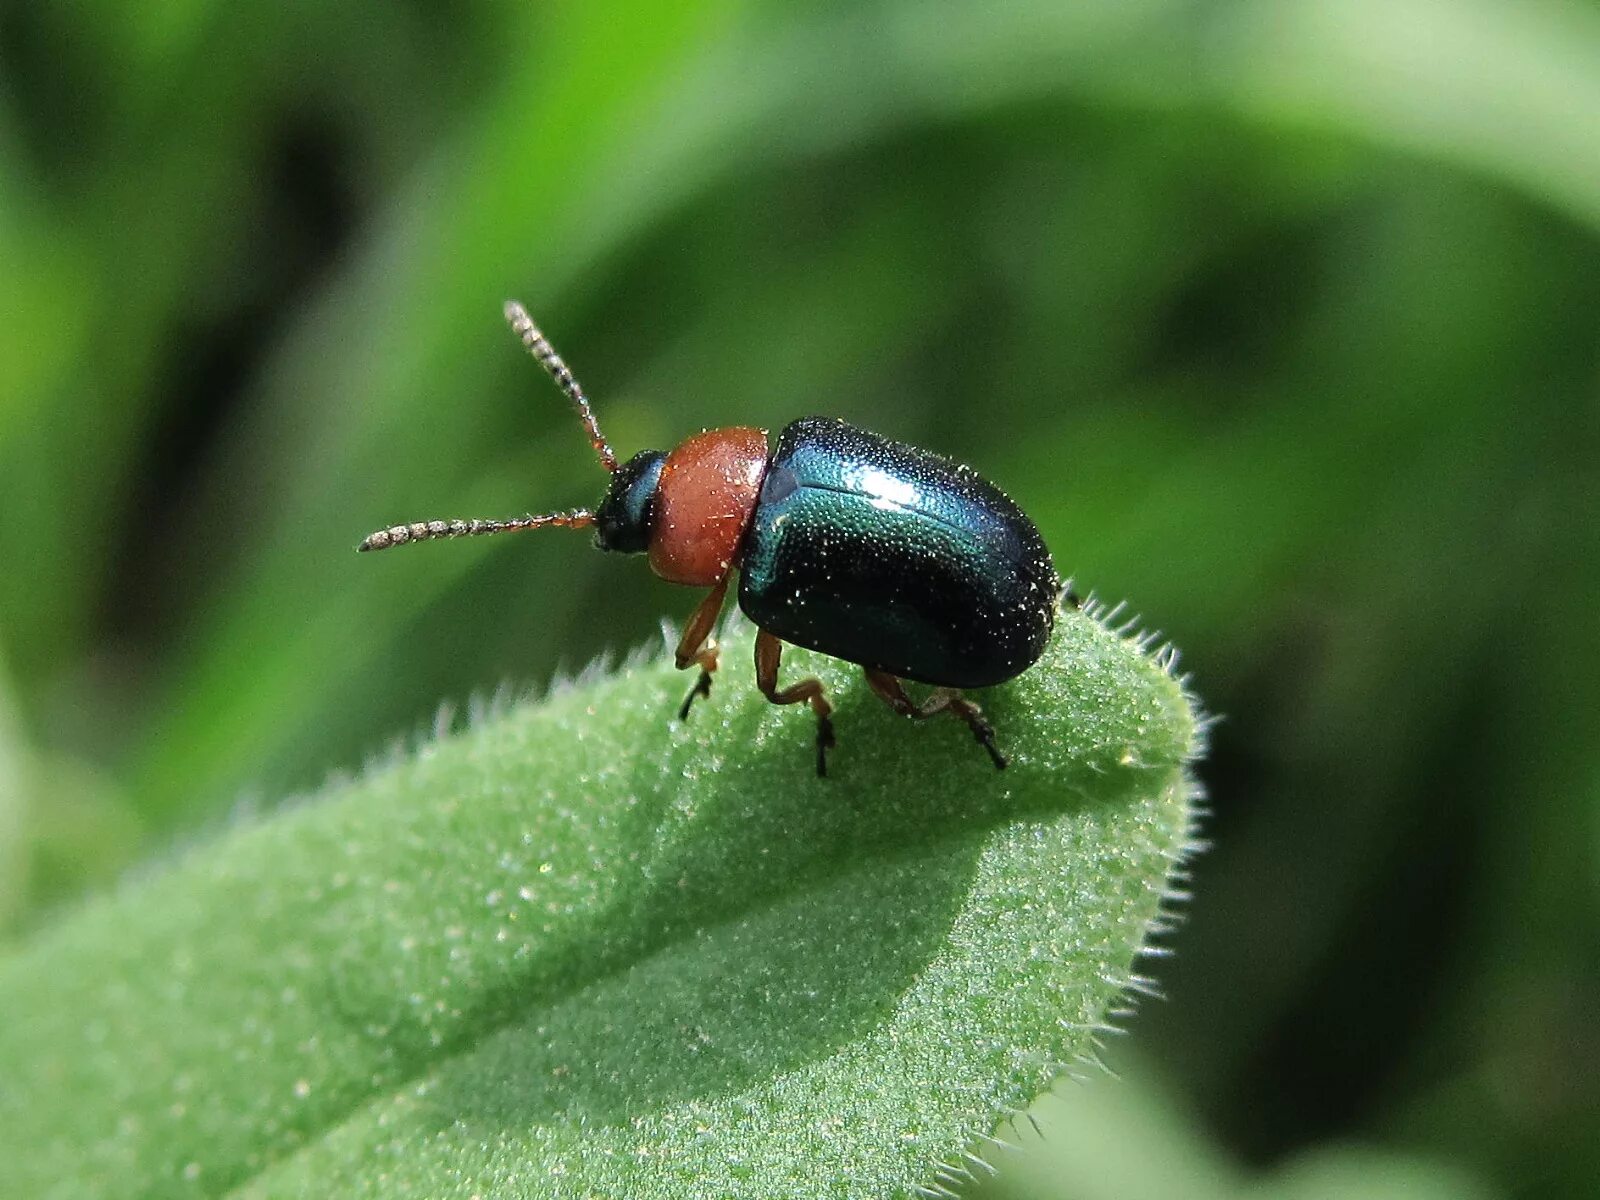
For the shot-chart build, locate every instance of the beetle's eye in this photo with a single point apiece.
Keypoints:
(627, 515)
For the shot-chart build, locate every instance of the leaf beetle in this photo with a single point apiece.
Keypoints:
(869, 550)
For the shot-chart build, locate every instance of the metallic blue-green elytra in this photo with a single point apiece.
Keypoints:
(882, 554)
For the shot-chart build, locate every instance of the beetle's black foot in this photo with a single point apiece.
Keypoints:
(702, 687)
(984, 733)
(825, 742)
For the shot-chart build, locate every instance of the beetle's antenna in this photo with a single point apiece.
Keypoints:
(539, 346)
(422, 531)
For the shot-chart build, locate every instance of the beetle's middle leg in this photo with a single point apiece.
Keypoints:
(809, 690)
(698, 648)
(892, 692)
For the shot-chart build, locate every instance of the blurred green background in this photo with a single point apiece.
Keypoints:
(1281, 317)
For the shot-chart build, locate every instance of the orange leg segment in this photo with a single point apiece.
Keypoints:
(698, 648)
(769, 651)
(892, 692)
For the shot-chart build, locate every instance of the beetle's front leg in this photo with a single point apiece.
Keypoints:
(698, 647)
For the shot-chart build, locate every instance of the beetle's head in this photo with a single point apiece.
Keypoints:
(627, 515)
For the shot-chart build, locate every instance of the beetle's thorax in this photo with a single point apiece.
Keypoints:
(707, 491)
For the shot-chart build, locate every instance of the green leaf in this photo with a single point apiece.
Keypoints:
(579, 949)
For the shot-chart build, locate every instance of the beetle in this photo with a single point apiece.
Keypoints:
(910, 565)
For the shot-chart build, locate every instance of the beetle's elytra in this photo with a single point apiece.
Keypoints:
(866, 549)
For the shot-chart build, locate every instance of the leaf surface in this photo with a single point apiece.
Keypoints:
(579, 949)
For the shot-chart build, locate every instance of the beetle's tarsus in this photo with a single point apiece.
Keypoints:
(825, 742)
(702, 687)
(984, 733)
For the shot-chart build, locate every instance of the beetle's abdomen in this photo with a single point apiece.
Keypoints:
(882, 554)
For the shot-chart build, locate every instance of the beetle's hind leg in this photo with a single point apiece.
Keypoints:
(769, 650)
(698, 648)
(892, 692)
